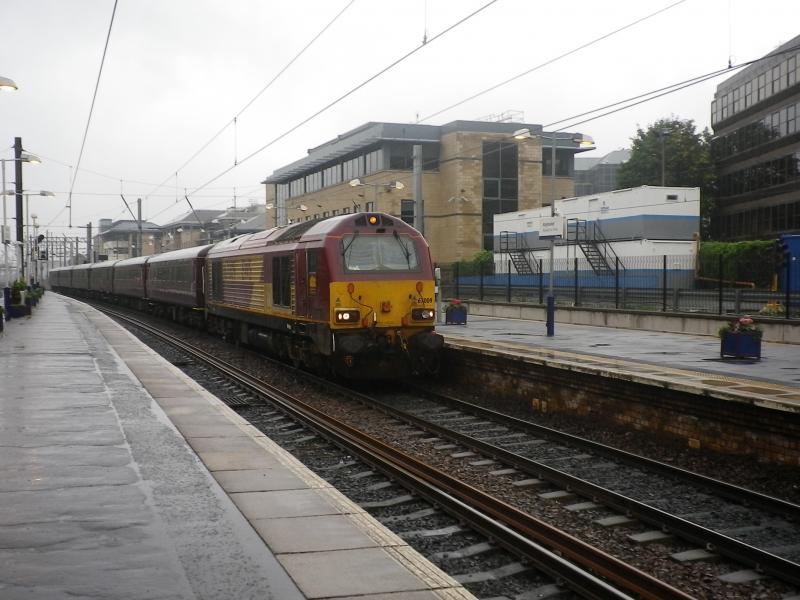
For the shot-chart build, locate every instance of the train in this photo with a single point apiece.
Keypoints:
(352, 295)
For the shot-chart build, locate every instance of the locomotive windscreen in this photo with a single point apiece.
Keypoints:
(379, 253)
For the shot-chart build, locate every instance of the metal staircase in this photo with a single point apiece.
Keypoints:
(594, 245)
(514, 245)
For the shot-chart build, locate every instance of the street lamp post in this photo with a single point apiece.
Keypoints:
(25, 157)
(396, 185)
(27, 256)
(581, 140)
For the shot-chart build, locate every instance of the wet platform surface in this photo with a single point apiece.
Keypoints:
(122, 478)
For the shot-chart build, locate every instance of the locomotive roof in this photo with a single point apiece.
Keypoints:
(308, 231)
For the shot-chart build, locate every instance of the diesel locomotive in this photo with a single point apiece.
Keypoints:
(351, 294)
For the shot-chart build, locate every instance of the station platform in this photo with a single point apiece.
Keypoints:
(122, 478)
(689, 363)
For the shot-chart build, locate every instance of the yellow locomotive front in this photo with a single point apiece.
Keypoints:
(381, 300)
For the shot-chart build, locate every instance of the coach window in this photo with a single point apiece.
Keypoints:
(281, 281)
(312, 256)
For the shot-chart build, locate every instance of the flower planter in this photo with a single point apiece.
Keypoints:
(740, 345)
(17, 311)
(455, 315)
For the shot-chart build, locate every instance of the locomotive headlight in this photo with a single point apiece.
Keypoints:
(422, 314)
(345, 316)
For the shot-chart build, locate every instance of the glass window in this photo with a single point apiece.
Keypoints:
(508, 189)
(491, 188)
(370, 206)
(353, 168)
(374, 161)
(379, 253)
(407, 211)
(332, 175)
(314, 182)
(282, 191)
(297, 187)
(491, 159)
(400, 156)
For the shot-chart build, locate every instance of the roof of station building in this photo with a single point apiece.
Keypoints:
(374, 133)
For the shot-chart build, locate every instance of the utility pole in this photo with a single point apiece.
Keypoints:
(89, 253)
(419, 203)
(20, 218)
(139, 222)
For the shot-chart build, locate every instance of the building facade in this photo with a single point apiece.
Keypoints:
(756, 148)
(641, 221)
(596, 175)
(470, 171)
(119, 239)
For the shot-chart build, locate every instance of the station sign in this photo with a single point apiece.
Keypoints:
(551, 227)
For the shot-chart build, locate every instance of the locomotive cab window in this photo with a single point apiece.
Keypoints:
(379, 253)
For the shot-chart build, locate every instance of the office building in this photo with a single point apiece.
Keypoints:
(756, 148)
(471, 171)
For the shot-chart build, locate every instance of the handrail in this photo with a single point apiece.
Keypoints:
(609, 254)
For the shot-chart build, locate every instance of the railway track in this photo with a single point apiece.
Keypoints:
(703, 510)
(580, 567)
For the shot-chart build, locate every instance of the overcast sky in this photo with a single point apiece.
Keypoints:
(177, 71)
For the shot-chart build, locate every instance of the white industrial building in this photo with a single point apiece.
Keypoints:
(603, 231)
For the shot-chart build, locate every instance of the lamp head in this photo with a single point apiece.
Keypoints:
(46, 193)
(30, 158)
(7, 85)
(522, 134)
(399, 185)
(355, 182)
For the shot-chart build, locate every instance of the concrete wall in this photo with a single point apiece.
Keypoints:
(775, 330)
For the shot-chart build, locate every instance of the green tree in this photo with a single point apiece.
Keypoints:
(686, 156)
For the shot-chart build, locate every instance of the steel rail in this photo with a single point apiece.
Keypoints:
(721, 488)
(769, 563)
(550, 549)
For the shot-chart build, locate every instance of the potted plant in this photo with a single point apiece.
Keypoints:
(18, 308)
(455, 313)
(741, 338)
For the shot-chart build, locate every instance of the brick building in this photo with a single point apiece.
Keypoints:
(472, 170)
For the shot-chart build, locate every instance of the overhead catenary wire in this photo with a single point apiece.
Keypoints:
(91, 110)
(634, 100)
(552, 60)
(253, 99)
(348, 93)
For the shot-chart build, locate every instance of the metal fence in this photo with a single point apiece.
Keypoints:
(652, 283)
